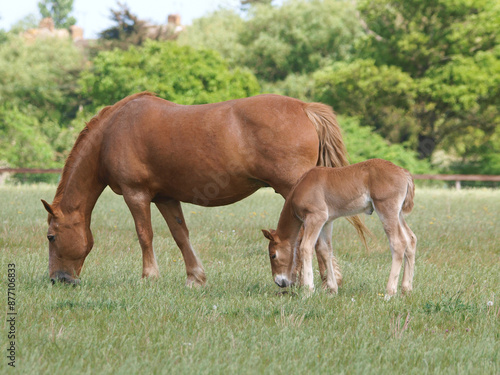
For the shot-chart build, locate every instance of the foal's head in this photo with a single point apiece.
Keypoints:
(281, 255)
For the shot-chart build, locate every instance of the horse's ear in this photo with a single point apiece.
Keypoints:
(269, 234)
(48, 208)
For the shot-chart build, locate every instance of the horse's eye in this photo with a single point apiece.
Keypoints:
(51, 237)
(273, 256)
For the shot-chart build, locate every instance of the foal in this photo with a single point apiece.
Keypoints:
(325, 194)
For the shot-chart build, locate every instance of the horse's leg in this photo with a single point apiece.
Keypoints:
(330, 275)
(326, 259)
(313, 224)
(172, 212)
(388, 212)
(407, 284)
(139, 205)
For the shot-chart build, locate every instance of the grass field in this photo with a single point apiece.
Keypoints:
(116, 323)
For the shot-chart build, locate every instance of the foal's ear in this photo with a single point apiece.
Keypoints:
(48, 208)
(269, 234)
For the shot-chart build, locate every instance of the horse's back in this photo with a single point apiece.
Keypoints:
(176, 149)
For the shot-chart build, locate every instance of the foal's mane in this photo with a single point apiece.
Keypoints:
(89, 127)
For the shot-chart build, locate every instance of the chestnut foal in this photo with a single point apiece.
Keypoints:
(325, 194)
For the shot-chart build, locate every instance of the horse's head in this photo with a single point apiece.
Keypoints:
(281, 255)
(70, 241)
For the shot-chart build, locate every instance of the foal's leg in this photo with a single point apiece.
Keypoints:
(172, 212)
(139, 205)
(327, 263)
(388, 212)
(407, 284)
(325, 255)
(313, 224)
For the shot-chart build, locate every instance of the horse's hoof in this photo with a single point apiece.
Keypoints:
(151, 275)
(196, 281)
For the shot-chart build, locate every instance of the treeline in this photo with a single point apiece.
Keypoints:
(415, 82)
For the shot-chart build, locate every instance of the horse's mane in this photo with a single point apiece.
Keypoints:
(89, 126)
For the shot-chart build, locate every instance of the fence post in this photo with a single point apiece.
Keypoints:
(458, 185)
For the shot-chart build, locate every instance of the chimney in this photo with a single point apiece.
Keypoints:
(76, 33)
(47, 23)
(174, 19)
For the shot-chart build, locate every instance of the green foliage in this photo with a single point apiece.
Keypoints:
(459, 99)
(417, 35)
(482, 153)
(297, 37)
(23, 140)
(39, 99)
(219, 31)
(177, 73)
(59, 11)
(450, 50)
(40, 77)
(300, 86)
(364, 143)
(382, 96)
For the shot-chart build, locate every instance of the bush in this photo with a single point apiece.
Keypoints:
(177, 73)
(363, 143)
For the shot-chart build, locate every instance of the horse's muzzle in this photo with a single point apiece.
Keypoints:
(282, 281)
(65, 278)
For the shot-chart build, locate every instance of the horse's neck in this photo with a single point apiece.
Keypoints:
(80, 186)
(289, 224)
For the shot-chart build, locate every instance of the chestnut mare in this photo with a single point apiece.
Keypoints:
(325, 194)
(151, 150)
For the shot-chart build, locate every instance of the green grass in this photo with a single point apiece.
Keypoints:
(116, 323)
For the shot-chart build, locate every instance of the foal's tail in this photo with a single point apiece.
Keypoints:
(332, 150)
(410, 194)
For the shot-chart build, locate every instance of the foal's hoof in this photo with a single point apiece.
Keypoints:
(308, 292)
(406, 291)
(332, 289)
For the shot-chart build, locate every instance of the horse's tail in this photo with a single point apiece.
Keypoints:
(410, 194)
(332, 150)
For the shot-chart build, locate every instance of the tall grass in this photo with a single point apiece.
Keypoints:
(116, 323)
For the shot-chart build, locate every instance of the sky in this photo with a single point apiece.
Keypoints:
(93, 15)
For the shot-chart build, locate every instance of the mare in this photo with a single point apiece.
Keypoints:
(325, 194)
(152, 150)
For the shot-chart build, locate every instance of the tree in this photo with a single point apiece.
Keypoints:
(382, 96)
(177, 73)
(298, 37)
(40, 76)
(450, 49)
(130, 30)
(295, 38)
(417, 35)
(219, 31)
(245, 4)
(38, 100)
(59, 11)
(427, 73)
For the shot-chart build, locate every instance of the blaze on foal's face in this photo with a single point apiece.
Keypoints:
(281, 256)
(70, 241)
